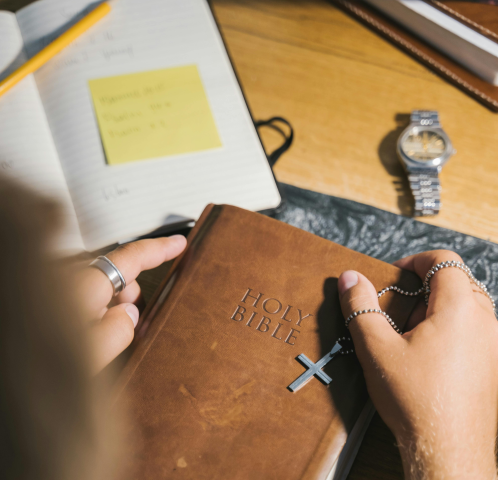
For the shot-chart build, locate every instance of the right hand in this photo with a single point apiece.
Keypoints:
(435, 386)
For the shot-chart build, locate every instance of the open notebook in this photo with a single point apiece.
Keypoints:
(50, 137)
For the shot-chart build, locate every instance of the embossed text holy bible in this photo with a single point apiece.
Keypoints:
(213, 387)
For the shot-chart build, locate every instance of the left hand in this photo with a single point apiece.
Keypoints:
(116, 317)
(435, 386)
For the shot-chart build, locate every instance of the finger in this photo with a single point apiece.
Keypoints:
(112, 334)
(131, 259)
(483, 300)
(131, 294)
(417, 316)
(450, 287)
(421, 263)
(372, 335)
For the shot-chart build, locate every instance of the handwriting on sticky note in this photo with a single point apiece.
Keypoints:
(153, 114)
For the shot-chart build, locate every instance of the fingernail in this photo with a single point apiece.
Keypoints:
(347, 279)
(178, 239)
(132, 311)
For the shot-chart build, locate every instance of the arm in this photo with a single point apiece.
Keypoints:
(435, 386)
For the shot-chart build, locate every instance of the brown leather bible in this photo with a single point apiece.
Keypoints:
(480, 17)
(207, 386)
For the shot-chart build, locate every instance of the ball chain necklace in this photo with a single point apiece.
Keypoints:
(425, 289)
(315, 369)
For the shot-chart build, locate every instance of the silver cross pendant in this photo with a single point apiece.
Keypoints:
(314, 369)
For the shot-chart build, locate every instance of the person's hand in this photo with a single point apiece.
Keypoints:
(435, 386)
(114, 318)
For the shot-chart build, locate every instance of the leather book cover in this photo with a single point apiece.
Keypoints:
(206, 388)
(481, 17)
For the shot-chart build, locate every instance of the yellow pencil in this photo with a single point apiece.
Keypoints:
(52, 49)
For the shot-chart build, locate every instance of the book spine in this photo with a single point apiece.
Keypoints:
(147, 327)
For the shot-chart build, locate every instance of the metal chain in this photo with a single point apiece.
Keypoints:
(425, 289)
(345, 352)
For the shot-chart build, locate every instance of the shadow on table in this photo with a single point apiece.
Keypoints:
(389, 158)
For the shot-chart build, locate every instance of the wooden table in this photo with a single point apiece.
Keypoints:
(347, 93)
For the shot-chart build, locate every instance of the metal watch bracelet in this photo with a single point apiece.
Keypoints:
(426, 191)
(425, 185)
(425, 118)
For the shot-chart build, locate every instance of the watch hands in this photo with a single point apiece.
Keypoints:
(425, 140)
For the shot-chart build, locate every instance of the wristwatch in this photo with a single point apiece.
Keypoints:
(423, 148)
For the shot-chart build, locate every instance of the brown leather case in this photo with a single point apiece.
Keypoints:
(481, 17)
(206, 387)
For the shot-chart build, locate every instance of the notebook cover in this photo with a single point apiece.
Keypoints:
(479, 89)
(206, 390)
(481, 17)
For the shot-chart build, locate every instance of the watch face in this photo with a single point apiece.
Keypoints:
(423, 146)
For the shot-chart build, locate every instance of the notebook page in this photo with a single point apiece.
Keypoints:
(115, 202)
(27, 151)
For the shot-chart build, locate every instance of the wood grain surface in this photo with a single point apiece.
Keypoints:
(348, 93)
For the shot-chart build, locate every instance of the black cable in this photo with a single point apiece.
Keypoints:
(277, 153)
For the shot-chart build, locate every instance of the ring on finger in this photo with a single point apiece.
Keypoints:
(112, 272)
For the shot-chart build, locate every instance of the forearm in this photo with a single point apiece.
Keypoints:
(430, 459)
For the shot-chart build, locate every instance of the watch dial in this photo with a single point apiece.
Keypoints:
(423, 146)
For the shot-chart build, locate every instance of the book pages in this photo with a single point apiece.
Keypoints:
(27, 150)
(116, 201)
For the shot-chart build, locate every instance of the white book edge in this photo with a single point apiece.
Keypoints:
(345, 460)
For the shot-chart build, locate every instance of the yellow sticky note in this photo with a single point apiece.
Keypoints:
(153, 114)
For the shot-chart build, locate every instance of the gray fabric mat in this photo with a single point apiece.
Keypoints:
(382, 234)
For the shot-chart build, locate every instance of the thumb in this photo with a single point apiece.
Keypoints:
(112, 334)
(371, 332)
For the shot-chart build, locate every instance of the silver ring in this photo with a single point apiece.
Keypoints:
(111, 271)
